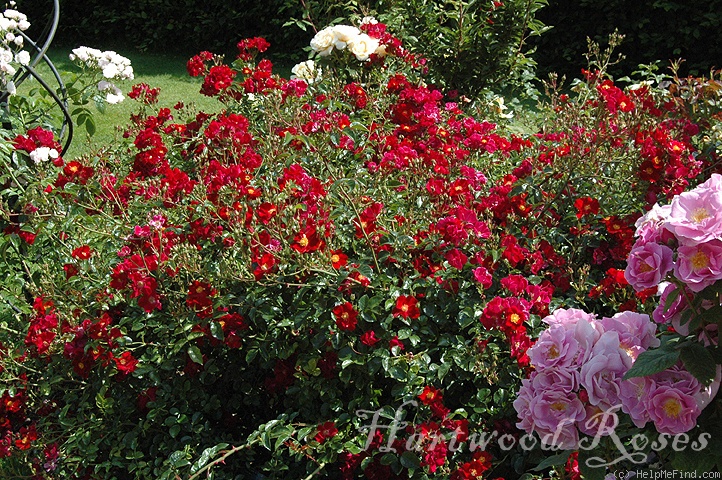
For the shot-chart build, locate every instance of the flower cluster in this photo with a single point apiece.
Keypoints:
(679, 253)
(370, 41)
(112, 65)
(12, 24)
(307, 71)
(578, 380)
(40, 145)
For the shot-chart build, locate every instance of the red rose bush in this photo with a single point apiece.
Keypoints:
(339, 274)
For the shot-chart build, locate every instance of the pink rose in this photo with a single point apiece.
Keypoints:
(560, 378)
(599, 420)
(668, 315)
(700, 265)
(521, 405)
(696, 216)
(671, 410)
(650, 227)
(568, 316)
(632, 393)
(634, 329)
(648, 265)
(602, 373)
(554, 414)
(556, 347)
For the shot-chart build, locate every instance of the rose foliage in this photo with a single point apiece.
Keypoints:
(246, 292)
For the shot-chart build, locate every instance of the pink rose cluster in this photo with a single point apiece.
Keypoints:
(684, 240)
(577, 384)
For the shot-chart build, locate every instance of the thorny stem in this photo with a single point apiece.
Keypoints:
(223, 458)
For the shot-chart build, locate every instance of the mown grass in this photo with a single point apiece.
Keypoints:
(167, 72)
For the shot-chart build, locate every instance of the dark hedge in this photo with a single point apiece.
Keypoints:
(654, 29)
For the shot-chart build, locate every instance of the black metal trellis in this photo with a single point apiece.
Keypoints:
(46, 38)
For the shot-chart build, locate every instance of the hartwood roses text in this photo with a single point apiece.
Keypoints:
(399, 437)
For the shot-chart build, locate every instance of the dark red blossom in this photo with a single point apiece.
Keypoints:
(586, 206)
(218, 79)
(196, 65)
(369, 338)
(144, 94)
(406, 307)
(148, 395)
(200, 298)
(307, 241)
(325, 431)
(70, 270)
(366, 223)
(346, 316)
(26, 436)
(126, 363)
(263, 265)
(395, 342)
(430, 395)
(356, 94)
(248, 47)
(82, 253)
(507, 314)
(338, 259)
(473, 469)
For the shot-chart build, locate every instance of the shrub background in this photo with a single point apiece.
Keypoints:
(654, 29)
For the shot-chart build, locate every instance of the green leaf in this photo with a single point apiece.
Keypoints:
(206, 455)
(179, 459)
(589, 473)
(195, 353)
(410, 460)
(90, 126)
(554, 460)
(699, 362)
(689, 460)
(711, 315)
(217, 330)
(653, 361)
(365, 270)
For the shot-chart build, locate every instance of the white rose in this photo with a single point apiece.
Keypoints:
(10, 88)
(15, 15)
(114, 95)
(127, 73)
(6, 55)
(343, 34)
(322, 42)
(43, 154)
(307, 71)
(87, 55)
(22, 57)
(5, 67)
(362, 46)
(500, 108)
(110, 70)
(113, 98)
